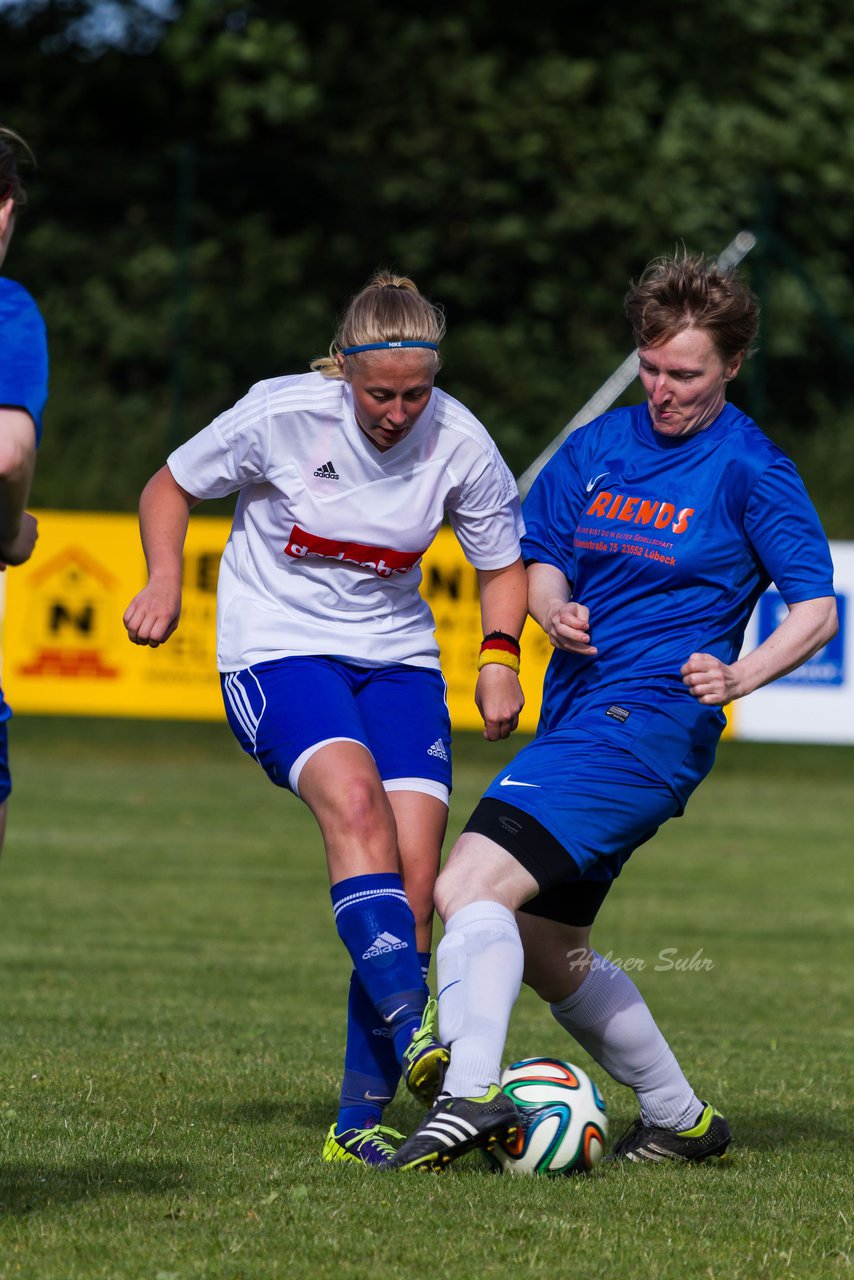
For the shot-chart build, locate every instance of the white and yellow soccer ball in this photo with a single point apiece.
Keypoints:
(563, 1119)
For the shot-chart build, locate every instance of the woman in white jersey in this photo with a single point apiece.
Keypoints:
(328, 659)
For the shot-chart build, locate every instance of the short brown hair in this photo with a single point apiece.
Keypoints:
(692, 292)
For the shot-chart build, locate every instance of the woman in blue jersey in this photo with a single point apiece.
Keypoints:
(650, 537)
(23, 392)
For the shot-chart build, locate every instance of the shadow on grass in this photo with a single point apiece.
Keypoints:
(307, 1115)
(30, 1188)
(259, 1111)
(782, 1131)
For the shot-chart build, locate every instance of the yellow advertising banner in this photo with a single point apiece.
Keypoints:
(65, 650)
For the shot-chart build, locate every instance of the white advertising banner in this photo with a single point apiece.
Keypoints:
(816, 702)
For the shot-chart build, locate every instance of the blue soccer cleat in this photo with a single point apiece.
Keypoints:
(373, 1146)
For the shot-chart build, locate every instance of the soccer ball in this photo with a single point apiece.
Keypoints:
(563, 1119)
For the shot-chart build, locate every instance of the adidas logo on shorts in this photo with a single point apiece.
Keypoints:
(327, 472)
(438, 750)
(383, 945)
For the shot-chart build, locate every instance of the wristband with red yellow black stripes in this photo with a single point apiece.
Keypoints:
(499, 647)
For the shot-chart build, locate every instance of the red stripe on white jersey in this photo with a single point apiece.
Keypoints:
(383, 560)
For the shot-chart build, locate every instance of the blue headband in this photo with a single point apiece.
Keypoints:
(387, 346)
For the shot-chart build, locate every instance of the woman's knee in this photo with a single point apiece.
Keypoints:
(480, 869)
(358, 808)
(557, 956)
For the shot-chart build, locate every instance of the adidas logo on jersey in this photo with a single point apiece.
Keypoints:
(438, 750)
(383, 945)
(327, 472)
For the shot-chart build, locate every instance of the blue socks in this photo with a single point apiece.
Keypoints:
(371, 1069)
(376, 925)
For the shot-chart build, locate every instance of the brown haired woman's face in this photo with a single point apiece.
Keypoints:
(685, 382)
(391, 390)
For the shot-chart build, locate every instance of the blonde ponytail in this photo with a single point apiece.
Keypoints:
(390, 309)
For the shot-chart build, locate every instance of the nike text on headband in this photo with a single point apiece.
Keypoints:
(388, 346)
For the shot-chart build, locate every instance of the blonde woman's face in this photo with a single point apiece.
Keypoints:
(391, 390)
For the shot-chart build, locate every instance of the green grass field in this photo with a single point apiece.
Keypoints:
(172, 1022)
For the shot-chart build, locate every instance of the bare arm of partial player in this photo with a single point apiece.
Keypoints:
(164, 514)
(503, 607)
(807, 627)
(18, 528)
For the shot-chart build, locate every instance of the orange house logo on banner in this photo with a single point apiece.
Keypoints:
(67, 604)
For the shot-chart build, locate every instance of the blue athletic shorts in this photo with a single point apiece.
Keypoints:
(282, 711)
(598, 802)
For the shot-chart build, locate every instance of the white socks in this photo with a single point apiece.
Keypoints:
(479, 969)
(479, 966)
(608, 1018)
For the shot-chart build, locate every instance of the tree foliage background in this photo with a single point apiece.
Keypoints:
(216, 178)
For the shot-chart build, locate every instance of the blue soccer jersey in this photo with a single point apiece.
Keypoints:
(669, 542)
(23, 385)
(23, 353)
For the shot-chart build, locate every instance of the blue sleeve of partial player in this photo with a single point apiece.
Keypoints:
(551, 512)
(786, 534)
(23, 354)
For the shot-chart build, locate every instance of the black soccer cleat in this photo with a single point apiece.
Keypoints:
(710, 1136)
(455, 1126)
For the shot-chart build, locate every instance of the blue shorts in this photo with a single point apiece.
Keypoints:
(598, 802)
(282, 711)
(5, 775)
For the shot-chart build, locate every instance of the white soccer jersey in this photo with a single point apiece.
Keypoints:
(328, 534)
